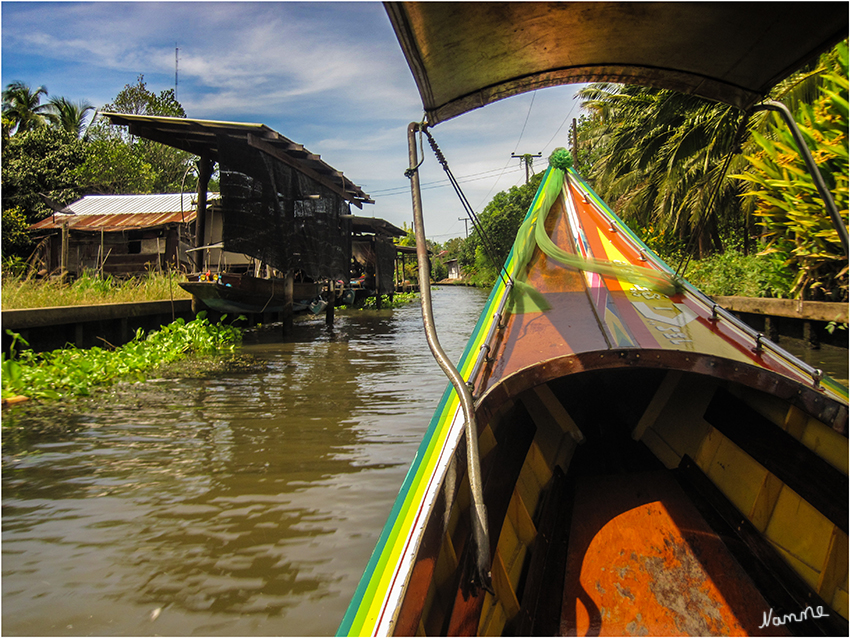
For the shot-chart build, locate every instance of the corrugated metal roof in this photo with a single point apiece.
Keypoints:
(124, 212)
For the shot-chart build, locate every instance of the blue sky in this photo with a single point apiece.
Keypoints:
(330, 76)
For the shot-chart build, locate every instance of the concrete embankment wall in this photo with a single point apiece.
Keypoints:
(86, 326)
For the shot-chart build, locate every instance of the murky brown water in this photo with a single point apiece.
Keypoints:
(242, 505)
(246, 504)
(831, 359)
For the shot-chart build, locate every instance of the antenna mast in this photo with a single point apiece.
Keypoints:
(176, 49)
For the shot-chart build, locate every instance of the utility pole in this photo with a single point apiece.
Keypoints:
(575, 144)
(528, 160)
(465, 221)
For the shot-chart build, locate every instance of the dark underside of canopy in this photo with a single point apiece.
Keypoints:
(465, 55)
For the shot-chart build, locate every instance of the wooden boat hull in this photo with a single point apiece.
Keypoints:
(234, 293)
(650, 466)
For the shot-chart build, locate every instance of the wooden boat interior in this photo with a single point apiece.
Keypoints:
(700, 489)
(634, 496)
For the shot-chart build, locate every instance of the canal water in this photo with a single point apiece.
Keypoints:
(245, 503)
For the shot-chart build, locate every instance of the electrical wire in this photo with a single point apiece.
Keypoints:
(476, 223)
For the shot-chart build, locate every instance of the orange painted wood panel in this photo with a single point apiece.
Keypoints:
(642, 561)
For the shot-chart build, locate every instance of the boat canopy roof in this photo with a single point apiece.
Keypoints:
(465, 55)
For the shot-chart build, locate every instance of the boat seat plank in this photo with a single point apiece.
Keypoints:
(541, 598)
(782, 588)
(508, 460)
(815, 480)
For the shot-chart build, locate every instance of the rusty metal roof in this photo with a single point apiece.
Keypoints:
(200, 137)
(111, 213)
(375, 225)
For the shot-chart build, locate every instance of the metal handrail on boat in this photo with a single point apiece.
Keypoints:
(482, 576)
(760, 341)
(484, 351)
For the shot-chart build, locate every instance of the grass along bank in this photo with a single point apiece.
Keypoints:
(89, 289)
(71, 371)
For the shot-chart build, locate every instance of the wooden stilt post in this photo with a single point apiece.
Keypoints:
(288, 294)
(64, 253)
(377, 274)
(810, 335)
(201, 221)
(771, 328)
(102, 258)
(329, 311)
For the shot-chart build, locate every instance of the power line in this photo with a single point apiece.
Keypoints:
(570, 112)
(527, 115)
(386, 192)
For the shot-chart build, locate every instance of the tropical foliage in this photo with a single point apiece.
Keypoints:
(735, 274)
(788, 205)
(121, 163)
(69, 116)
(38, 166)
(663, 162)
(487, 248)
(22, 108)
(671, 166)
(52, 155)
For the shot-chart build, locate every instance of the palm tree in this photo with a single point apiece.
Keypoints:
(23, 107)
(663, 155)
(666, 158)
(69, 116)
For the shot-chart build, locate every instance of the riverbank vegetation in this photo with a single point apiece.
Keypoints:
(71, 371)
(20, 291)
(398, 300)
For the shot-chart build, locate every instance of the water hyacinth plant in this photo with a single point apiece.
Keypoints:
(71, 371)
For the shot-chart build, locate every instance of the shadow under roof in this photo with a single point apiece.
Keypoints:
(464, 55)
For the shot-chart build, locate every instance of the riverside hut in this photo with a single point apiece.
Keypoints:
(120, 234)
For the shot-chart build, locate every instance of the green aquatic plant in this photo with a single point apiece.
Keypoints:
(398, 299)
(72, 371)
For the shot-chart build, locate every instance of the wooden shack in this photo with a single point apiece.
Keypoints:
(119, 234)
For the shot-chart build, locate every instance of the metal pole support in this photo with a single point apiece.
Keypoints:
(829, 202)
(479, 514)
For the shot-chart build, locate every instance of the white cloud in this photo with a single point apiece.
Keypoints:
(328, 75)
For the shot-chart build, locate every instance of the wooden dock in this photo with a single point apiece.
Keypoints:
(806, 320)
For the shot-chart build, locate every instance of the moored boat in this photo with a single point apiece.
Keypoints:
(241, 292)
(617, 454)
